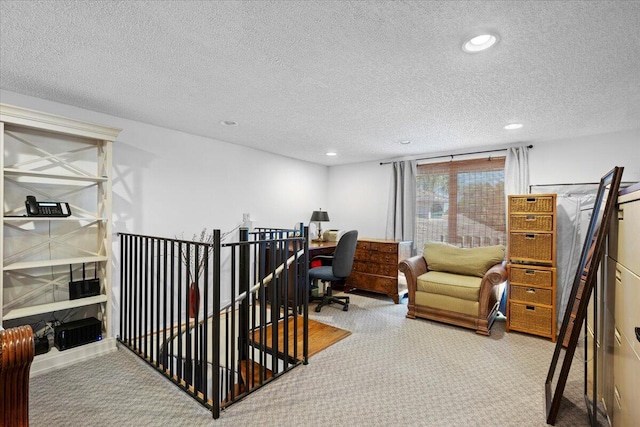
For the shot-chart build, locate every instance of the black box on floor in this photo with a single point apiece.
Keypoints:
(78, 332)
(41, 345)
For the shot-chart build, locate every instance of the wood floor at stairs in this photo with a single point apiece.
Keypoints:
(252, 369)
(321, 336)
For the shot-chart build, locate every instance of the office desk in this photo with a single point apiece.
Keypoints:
(315, 249)
(321, 248)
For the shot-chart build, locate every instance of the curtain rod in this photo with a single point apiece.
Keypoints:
(460, 154)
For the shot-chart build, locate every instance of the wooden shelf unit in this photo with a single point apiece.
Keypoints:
(54, 159)
(531, 291)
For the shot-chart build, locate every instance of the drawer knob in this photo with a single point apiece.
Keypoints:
(531, 291)
(530, 308)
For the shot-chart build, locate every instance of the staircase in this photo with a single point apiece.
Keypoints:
(215, 355)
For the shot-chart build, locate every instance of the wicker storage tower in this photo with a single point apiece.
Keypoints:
(531, 292)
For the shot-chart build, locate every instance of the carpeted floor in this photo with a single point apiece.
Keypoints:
(390, 371)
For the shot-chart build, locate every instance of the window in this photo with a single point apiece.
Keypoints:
(461, 203)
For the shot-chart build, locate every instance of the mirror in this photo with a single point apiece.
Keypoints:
(586, 275)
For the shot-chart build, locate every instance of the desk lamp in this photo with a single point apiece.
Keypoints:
(319, 216)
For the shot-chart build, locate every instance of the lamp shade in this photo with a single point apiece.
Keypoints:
(322, 216)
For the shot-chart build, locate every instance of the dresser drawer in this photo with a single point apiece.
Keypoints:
(530, 276)
(530, 318)
(375, 268)
(531, 222)
(531, 295)
(535, 247)
(384, 247)
(384, 258)
(374, 283)
(532, 203)
(627, 298)
(626, 371)
(375, 245)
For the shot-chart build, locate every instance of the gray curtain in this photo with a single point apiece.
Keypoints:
(516, 171)
(401, 215)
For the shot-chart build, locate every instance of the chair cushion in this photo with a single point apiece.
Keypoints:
(465, 261)
(444, 302)
(324, 273)
(453, 285)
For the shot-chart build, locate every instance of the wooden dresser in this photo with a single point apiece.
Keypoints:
(375, 266)
(531, 293)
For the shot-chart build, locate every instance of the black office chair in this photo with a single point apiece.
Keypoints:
(339, 267)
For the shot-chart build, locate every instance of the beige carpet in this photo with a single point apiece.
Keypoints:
(390, 371)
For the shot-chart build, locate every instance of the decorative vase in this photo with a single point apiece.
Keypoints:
(194, 300)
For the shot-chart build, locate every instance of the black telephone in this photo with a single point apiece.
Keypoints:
(35, 208)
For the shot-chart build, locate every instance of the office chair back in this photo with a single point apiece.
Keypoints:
(344, 254)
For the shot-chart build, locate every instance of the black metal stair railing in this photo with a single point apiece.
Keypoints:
(217, 343)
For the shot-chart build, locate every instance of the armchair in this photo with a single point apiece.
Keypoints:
(456, 285)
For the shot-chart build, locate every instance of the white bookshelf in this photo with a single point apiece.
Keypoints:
(53, 262)
(23, 312)
(55, 159)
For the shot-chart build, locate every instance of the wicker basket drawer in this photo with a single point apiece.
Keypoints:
(531, 204)
(531, 246)
(530, 276)
(530, 318)
(532, 295)
(531, 222)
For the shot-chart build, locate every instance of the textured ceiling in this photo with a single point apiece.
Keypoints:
(304, 77)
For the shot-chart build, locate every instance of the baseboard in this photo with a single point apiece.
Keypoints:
(55, 359)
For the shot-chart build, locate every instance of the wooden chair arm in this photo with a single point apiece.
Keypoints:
(412, 268)
(16, 354)
(489, 287)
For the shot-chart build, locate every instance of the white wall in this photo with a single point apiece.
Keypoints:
(358, 194)
(585, 159)
(358, 198)
(167, 183)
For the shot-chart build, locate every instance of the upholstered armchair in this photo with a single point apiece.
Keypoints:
(455, 285)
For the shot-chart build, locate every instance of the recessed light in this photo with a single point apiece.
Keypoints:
(228, 123)
(405, 142)
(513, 126)
(331, 153)
(479, 43)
